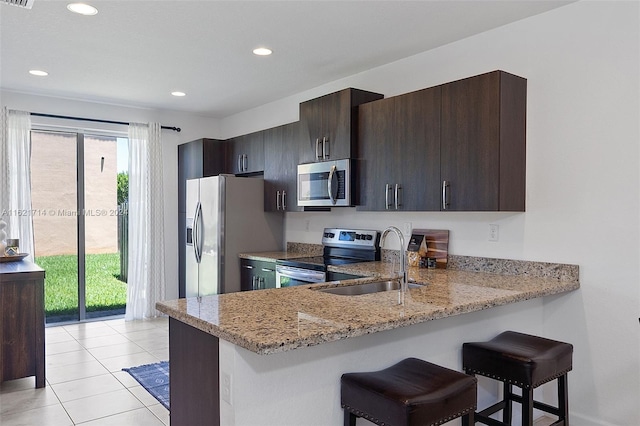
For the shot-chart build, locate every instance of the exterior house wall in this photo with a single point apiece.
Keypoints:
(54, 194)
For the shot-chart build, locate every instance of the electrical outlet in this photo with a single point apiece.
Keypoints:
(225, 392)
(493, 232)
(407, 228)
(306, 225)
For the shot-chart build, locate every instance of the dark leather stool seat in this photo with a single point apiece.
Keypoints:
(527, 362)
(410, 393)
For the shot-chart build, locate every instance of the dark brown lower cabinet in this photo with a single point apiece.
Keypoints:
(257, 275)
(22, 321)
(193, 376)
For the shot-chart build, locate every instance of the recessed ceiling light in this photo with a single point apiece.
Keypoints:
(82, 8)
(178, 94)
(39, 73)
(262, 51)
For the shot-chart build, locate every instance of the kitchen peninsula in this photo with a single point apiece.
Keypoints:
(264, 357)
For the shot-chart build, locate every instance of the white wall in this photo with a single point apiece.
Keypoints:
(582, 66)
(193, 127)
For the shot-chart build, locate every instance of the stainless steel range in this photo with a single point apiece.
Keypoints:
(341, 246)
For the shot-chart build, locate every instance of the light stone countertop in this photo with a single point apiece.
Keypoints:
(278, 320)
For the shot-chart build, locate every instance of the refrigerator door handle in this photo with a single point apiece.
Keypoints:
(197, 232)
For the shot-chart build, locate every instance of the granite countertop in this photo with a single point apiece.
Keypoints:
(294, 251)
(278, 320)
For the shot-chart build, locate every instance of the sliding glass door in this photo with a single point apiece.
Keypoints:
(75, 198)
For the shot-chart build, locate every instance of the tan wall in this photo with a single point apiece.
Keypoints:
(54, 197)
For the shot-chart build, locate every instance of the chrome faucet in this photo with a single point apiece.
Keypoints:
(403, 259)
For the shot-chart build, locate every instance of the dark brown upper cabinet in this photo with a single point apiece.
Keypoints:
(399, 161)
(246, 154)
(329, 125)
(483, 143)
(280, 167)
(459, 147)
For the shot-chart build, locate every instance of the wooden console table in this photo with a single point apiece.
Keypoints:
(22, 321)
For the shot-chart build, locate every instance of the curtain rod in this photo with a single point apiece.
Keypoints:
(95, 120)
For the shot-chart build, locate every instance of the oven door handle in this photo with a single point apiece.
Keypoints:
(300, 274)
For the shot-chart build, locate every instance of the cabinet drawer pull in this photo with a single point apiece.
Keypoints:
(318, 149)
(398, 200)
(445, 194)
(325, 148)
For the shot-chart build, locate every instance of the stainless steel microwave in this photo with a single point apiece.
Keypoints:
(325, 184)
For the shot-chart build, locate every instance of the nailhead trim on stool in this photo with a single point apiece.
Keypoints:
(410, 393)
(525, 361)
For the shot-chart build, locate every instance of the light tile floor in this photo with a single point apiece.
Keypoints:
(85, 381)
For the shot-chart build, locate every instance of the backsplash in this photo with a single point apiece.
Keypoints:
(305, 249)
(557, 271)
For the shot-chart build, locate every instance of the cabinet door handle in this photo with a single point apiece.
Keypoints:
(318, 149)
(284, 200)
(325, 148)
(387, 188)
(398, 193)
(278, 200)
(253, 282)
(239, 163)
(261, 283)
(245, 163)
(445, 194)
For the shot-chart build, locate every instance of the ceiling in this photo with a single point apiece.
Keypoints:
(135, 53)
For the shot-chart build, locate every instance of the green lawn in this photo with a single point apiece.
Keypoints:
(104, 291)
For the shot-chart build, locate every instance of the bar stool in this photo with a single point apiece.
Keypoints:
(527, 362)
(410, 393)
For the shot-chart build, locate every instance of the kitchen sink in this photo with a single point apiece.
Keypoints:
(374, 287)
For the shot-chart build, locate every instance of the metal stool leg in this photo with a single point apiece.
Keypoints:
(527, 407)
(349, 418)
(506, 411)
(563, 402)
(468, 419)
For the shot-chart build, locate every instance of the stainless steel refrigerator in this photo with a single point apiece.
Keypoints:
(225, 216)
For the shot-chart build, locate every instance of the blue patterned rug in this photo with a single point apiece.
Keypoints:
(154, 378)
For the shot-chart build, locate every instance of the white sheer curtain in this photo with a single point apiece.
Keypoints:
(146, 280)
(15, 178)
